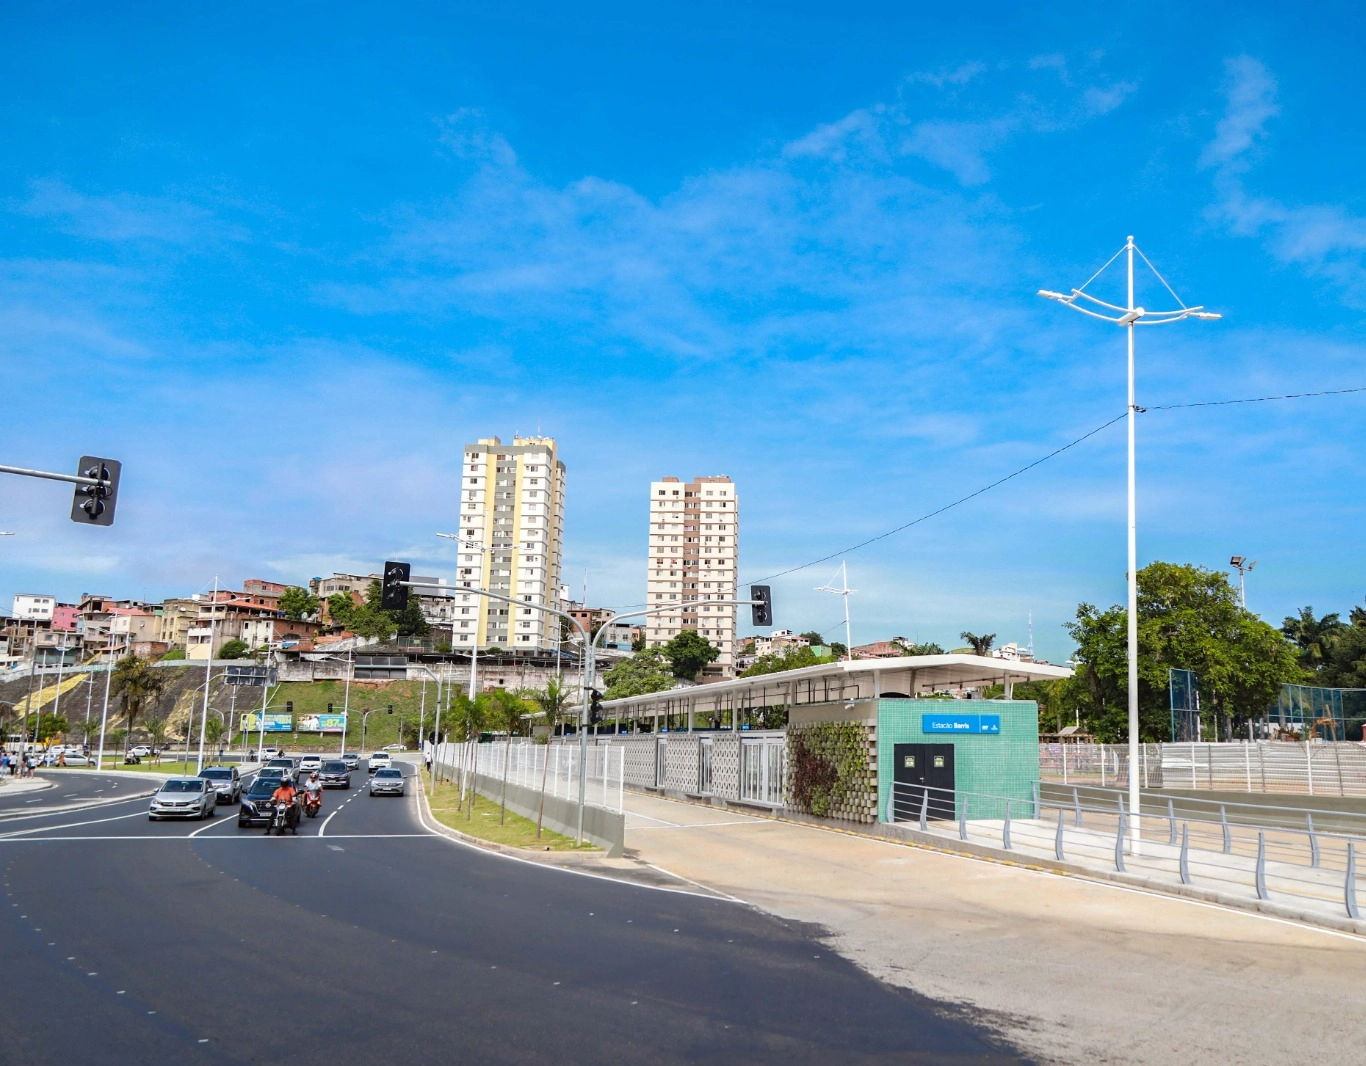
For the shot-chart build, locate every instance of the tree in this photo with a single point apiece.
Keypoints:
(645, 671)
(688, 653)
(371, 622)
(908, 648)
(508, 710)
(1188, 618)
(174, 655)
(792, 659)
(297, 603)
(814, 638)
(1314, 637)
(50, 725)
(553, 703)
(980, 645)
(638, 641)
(837, 649)
(136, 681)
(214, 730)
(234, 649)
(410, 621)
(156, 726)
(340, 607)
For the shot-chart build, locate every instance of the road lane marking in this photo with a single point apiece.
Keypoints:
(71, 825)
(207, 840)
(214, 823)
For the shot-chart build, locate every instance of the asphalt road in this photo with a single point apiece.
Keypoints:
(368, 939)
(70, 788)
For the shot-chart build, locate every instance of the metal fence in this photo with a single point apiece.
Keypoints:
(1311, 769)
(1266, 851)
(552, 766)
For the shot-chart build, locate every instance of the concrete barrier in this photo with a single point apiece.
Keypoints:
(606, 829)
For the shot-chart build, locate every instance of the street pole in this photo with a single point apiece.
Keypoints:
(845, 591)
(61, 661)
(346, 699)
(208, 674)
(104, 714)
(1130, 316)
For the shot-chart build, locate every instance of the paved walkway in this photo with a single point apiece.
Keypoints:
(1071, 970)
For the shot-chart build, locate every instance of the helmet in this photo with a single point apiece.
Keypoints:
(313, 776)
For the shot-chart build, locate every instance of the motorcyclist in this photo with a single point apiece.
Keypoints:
(313, 790)
(286, 794)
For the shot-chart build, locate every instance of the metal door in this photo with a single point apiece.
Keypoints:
(704, 766)
(920, 766)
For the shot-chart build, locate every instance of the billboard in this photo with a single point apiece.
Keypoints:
(275, 723)
(322, 723)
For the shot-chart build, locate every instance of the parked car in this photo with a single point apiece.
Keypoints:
(226, 781)
(378, 761)
(388, 781)
(352, 760)
(286, 764)
(264, 754)
(142, 751)
(184, 797)
(309, 763)
(396, 747)
(335, 774)
(256, 805)
(75, 758)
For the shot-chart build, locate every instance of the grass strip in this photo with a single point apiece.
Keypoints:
(482, 822)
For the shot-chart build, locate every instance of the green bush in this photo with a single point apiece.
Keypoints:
(827, 765)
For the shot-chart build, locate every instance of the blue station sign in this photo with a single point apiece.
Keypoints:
(960, 723)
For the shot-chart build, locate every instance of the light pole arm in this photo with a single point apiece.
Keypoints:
(666, 609)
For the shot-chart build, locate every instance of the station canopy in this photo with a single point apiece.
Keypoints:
(906, 676)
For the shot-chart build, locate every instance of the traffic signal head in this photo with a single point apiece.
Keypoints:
(762, 607)
(289, 706)
(393, 593)
(93, 505)
(594, 707)
(391, 708)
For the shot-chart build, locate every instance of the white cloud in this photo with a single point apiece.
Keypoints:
(1250, 95)
(123, 217)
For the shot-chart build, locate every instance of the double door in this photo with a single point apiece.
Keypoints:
(919, 767)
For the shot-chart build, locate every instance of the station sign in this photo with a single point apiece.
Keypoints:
(960, 723)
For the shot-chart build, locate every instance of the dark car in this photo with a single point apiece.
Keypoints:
(256, 805)
(335, 774)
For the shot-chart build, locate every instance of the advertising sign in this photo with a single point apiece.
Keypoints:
(275, 723)
(960, 723)
(322, 723)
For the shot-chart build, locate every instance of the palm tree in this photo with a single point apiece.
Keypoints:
(135, 681)
(980, 645)
(508, 710)
(552, 704)
(1315, 637)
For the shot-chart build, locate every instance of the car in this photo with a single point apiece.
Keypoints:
(286, 764)
(184, 797)
(142, 751)
(335, 774)
(352, 760)
(226, 780)
(272, 773)
(378, 761)
(255, 808)
(309, 763)
(73, 758)
(388, 781)
(265, 754)
(396, 747)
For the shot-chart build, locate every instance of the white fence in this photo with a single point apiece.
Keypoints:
(1313, 769)
(556, 766)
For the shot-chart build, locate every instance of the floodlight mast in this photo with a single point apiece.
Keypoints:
(1128, 317)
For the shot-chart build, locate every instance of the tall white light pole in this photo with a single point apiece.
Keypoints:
(1241, 564)
(1130, 316)
(483, 549)
(208, 674)
(845, 591)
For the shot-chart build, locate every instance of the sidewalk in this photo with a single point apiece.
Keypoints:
(1070, 970)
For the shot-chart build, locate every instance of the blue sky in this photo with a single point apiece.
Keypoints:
(284, 261)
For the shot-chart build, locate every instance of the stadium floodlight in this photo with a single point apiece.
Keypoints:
(1130, 316)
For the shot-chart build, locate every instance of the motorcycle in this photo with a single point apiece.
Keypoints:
(313, 803)
(282, 818)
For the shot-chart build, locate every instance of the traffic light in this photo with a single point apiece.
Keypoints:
(329, 708)
(762, 607)
(289, 706)
(391, 708)
(393, 593)
(93, 505)
(594, 707)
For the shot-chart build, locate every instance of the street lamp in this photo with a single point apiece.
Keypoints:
(483, 549)
(845, 591)
(1128, 317)
(1243, 567)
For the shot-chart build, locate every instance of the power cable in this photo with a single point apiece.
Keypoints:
(1255, 399)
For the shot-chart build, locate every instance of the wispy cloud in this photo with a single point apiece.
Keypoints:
(1325, 240)
(123, 217)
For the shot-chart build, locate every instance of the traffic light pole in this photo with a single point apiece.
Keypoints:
(583, 678)
(96, 487)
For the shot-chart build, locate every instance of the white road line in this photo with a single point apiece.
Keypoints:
(214, 823)
(322, 829)
(207, 840)
(696, 825)
(72, 825)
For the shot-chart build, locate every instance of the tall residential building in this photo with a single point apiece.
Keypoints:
(694, 554)
(511, 542)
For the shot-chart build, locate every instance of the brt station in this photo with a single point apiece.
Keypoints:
(839, 740)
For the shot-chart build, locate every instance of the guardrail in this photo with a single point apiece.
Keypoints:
(1240, 849)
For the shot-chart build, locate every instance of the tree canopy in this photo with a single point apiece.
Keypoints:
(135, 681)
(792, 659)
(234, 649)
(979, 645)
(688, 653)
(1188, 618)
(645, 671)
(297, 603)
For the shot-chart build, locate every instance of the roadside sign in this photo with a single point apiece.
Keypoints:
(960, 723)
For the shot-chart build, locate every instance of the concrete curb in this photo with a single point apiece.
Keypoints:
(549, 858)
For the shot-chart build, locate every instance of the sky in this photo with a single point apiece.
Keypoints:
(283, 261)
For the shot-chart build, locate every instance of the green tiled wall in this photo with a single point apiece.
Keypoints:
(1005, 764)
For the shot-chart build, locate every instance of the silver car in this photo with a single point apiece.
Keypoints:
(184, 797)
(309, 763)
(387, 781)
(226, 780)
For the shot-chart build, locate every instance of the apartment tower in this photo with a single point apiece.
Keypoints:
(511, 540)
(694, 552)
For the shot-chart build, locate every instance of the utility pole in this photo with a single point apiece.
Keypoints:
(1128, 317)
(845, 591)
(1241, 564)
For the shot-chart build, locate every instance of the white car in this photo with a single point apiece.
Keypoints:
(380, 760)
(309, 763)
(395, 747)
(142, 751)
(184, 797)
